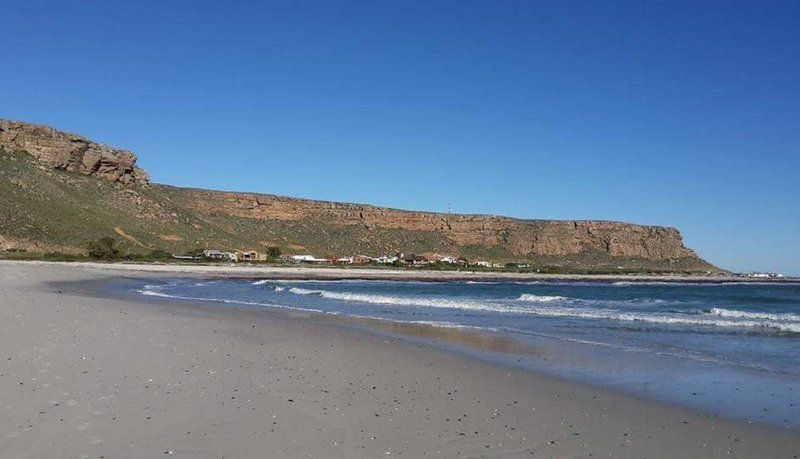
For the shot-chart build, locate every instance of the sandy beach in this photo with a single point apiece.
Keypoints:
(303, 271)
(89, 375)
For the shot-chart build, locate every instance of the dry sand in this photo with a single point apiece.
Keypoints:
(84, 376)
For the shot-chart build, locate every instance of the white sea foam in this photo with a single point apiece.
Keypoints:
(777, 316)
(348, 281)
(590, 313)
(666, 319)
(260, 282)
(540, 298)
(431, 302)
(151, 292)
(304, 291)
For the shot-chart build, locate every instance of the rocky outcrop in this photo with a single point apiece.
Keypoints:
(71, 152)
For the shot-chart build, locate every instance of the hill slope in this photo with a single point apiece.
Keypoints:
(59, 191)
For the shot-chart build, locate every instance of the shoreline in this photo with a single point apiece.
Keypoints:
(281, 272)
(575, 361)
(205, 381)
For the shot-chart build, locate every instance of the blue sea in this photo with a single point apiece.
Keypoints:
(730, 349)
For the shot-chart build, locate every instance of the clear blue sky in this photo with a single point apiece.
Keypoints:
(673, 113)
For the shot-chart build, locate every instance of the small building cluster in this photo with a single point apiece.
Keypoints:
(218, 255)
(765, 275)
(221, 256)
(488, 264)
(399, 258)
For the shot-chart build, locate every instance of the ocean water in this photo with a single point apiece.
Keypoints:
(730, 349)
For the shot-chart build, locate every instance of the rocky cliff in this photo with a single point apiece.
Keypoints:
(41, 205)
(521, 238)
(71, 152)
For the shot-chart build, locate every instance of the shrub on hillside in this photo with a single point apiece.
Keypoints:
(159, 254)
(104, 248)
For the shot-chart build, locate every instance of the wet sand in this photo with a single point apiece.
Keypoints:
(87, 376)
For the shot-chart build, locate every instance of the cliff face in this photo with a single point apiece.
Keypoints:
(70, 152)
(40, 205)
(521, 238)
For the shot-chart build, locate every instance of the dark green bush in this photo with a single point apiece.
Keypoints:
(104, 248)
(159, 254)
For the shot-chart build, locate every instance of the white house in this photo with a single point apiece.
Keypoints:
(218, 255)
(452, 261)
(308, 259)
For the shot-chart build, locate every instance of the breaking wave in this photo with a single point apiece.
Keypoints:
(411, 301)
(714, 318)
(722, 312)
(670, 319)
(151, 290)
(540, 298)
